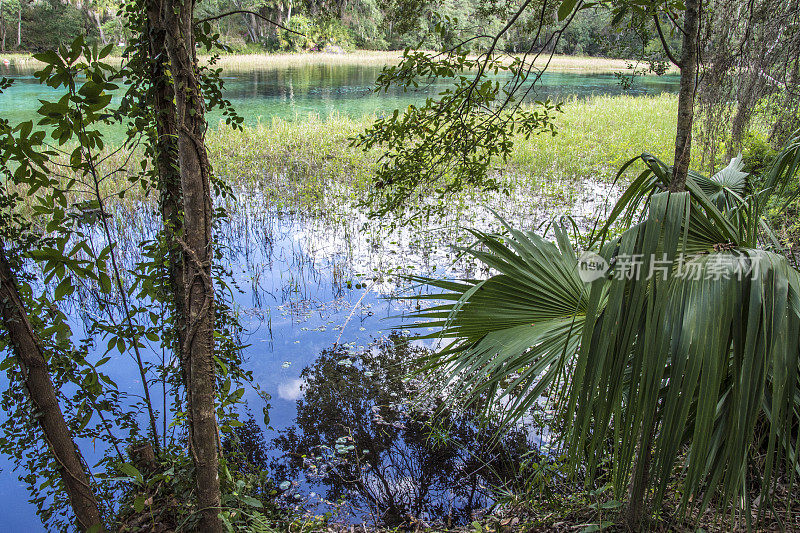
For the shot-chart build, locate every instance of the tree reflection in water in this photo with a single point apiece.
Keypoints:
(364, 432)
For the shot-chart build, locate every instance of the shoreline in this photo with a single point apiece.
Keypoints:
(238, 62)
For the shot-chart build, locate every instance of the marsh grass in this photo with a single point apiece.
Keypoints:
(589, 64)
(295, 161)
(249, 62)
(559, 63)
(19, 59)
(597, 136)
(306, 160)
(309, 166)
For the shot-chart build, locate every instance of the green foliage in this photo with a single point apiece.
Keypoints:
(294, 42)
(449, 143)
(159, 491)
(364, 24)
(313, 34)
(50, 24)
(66, 256)
(701, 370)
(56, 212)
(757, 154)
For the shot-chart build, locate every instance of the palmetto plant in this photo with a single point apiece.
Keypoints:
(691, 361)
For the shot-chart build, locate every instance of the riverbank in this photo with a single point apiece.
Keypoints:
(239, 62)
(559, 63)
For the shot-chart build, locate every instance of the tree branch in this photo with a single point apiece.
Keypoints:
(246, 12)
(664, 42)
(674, 22)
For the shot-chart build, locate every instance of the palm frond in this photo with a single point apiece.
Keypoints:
(693, 361)
(727, 188)
(514, 330)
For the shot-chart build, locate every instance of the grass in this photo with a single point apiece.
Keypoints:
(285, 60)
(294, 160)
(309, 167)
(238, 62)
(304, 160)
(19, 59)
(560, 63)
(596, 136)
(586, 64)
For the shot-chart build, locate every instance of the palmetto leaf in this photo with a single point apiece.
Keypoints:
(701, 371)
(514, 329)
(708, 225)
(726, 188)
(785, 167)
(688, 360)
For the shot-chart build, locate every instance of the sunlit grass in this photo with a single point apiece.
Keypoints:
(309, 164)
(587, 64)
(559, 63)
(596, 136)
(298, 159)
(246, 62)
(285, 60)
(309, 158)
(21, 59)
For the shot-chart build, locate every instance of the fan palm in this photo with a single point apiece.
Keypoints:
(686, 352)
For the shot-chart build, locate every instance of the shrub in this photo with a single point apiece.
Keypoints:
(294, 42)
(317, 33)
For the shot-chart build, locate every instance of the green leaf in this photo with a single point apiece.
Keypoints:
(138, 503)
(223, 516)
(566, 8)
(613, 504)
(64, 288)
(131, 471)
(593, 527)
(252, 502)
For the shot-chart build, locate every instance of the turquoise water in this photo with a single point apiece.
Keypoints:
(294, 92)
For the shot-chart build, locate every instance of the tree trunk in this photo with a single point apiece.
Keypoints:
(169, 179)
(688, 65)
(19, 25)
(30, 354)
(2, 28)
(96, 16)
(248, 24)
(739, 124)
(249, 21)
(195, 170)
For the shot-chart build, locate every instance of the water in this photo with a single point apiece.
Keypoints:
(308, 284)
(288, 93)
